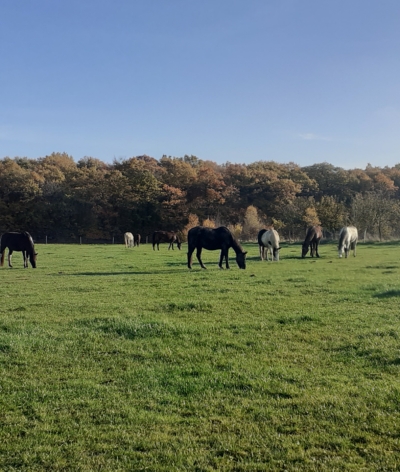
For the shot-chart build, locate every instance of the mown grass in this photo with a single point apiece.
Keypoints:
(114, 359)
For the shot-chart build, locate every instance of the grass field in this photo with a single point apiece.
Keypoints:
(121, 359)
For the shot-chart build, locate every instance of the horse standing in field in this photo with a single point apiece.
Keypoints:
(211, 239)
(128, 238)
(269, 239)
(348, 238)
(136, 240)
(313, 237)
(18, 242)
(166, 237)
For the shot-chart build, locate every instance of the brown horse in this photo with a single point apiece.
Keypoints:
(18, 242)
(313, 237)
(221, 238)
(136, 240)
(166, 237)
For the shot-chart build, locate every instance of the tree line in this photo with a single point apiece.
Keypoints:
(65, 200)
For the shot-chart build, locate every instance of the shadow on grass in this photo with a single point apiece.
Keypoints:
(388, 294)
(133, 272)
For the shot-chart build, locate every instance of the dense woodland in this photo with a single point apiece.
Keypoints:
(55, 196)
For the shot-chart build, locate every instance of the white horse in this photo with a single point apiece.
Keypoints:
(269, 239)
(348, 238)
(128, 237)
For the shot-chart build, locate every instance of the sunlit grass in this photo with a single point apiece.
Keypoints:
(123, 359)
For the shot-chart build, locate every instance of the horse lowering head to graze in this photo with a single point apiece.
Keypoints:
(136, 239)
(128, 238)
(212, 239)
(18, 242)
(269, 239)
(166, 237)
(348, 238)
(312, 240)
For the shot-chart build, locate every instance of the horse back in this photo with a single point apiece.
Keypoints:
(271, 237)
(210, 238)
(314, 234)
(17, 241)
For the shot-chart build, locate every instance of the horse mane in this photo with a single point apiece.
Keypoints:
(235, 245)
(30, 239)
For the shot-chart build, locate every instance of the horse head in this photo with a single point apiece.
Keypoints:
(276, 253)
(32, 259)
(241, 259)
(304, 250)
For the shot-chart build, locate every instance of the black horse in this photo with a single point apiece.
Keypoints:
(136, 240)
(201, 237)
(313, 237)
(18, 242)
(166, 237)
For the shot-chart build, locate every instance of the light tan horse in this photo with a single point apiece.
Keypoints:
(128, 238)
(348, 238)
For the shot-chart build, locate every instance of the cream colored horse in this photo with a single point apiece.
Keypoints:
(269, 239)
(348, 238)
(128, 237)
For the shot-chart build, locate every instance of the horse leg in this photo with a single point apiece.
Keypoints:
(269, 250)
(9, 257)
(198, 255)
(25, 258)
(316, 249)
(227, 258)
(189, 257)
(3, 252)
(221, 259)
(223, 255)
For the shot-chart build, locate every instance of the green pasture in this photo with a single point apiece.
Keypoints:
(115, 359)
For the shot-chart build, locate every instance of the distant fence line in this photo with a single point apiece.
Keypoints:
(147, 239)
(84, 240)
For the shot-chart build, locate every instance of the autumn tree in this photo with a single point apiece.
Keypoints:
(331, 213)
(251, 224)
(375, 212)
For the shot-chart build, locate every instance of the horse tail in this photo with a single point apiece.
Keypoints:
(342, 236)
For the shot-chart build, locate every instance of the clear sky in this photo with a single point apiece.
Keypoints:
(226, 80)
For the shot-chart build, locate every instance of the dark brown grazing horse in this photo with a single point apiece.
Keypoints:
(136, 239)
(221, 238)
(18, 242)
(166, 237)
(313, 237)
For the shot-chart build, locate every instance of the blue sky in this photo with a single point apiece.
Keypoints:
(305, 81)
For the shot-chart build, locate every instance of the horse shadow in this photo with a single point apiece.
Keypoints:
(109, 274)
(388, 294)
